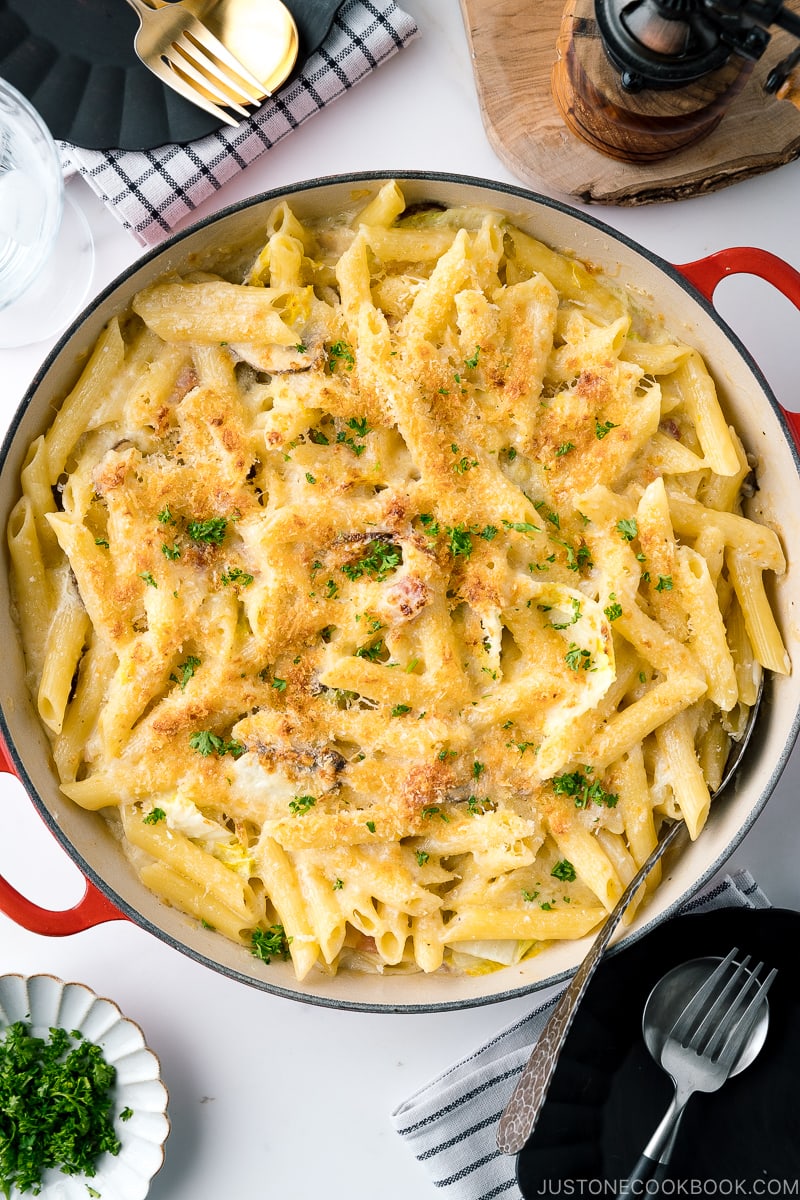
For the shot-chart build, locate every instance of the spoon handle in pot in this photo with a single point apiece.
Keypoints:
(522, 1111)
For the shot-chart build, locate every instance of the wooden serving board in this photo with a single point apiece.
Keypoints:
(513, 44)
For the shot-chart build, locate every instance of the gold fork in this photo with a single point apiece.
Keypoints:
(176, 46)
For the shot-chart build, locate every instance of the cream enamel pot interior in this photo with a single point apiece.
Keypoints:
(682, 295)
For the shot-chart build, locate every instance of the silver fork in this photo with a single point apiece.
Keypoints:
(176, 46)
(702, 1050)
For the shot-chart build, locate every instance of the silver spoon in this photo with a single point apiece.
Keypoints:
(522, 1111)
(703, 1022)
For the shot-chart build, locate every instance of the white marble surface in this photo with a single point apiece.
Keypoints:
(269, 1097)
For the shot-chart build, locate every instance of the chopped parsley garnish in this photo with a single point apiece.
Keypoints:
(582, 557)
(477, 769)
(338, 884)
(370, 826)
(318, 437)
(205, 742)
(101, 541)
(302, 804)
(236, 575)
(576, 616)
(602, 428)
(372, 653)
(464, 464)
(522, 526)
(147, 576)
(529, 896)
(211, 530)
(472, 361)
(433, 810)
(344, 440)
(380, 559)
(549, 513)
(172, 552)
(400, 710)
(627, 528)
(578, 659)
(340, 352)
(564, 871)
(422, 857)
(55, 1106)
(359, 426)
(583, 790)
(154, 816)
(267, 944)
(187, 669)
(613, 610)
(664, 583)
(459, 541)
(278, 684)
(166, 517)
(478, 805)
(310, 478)
(429, 524)
(459, 537)
(564, 448)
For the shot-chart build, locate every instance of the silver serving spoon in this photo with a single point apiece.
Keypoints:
(522, 1111)
(703, 1022)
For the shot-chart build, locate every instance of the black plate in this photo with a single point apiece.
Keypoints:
(75, 62)
(607, 1095)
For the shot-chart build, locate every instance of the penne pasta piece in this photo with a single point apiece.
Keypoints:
(190, 861)
(700, 397)
(676, 739)
(284, 893)
(707, 637)
(195, 899)
(63, 649)
(384, 208)
(588, 857)
(213, 311)
(427, 933)
(85, 405)
(762, 630)
(481, 924)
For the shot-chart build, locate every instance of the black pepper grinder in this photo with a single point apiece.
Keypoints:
(641, 79)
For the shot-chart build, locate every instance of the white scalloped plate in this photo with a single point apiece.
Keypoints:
(43, 1002)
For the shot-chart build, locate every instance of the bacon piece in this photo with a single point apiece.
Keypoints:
(404, 598)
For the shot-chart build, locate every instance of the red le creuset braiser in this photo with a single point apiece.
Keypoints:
(682, 296)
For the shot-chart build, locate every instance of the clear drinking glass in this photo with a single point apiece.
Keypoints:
(46, 246)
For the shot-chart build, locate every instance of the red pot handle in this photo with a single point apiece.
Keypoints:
(92, 909)
(706, 273)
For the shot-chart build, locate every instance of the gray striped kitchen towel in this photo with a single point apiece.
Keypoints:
(151, 191)
(450, 1125)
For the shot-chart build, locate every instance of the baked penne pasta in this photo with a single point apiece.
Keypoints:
(390, 596)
